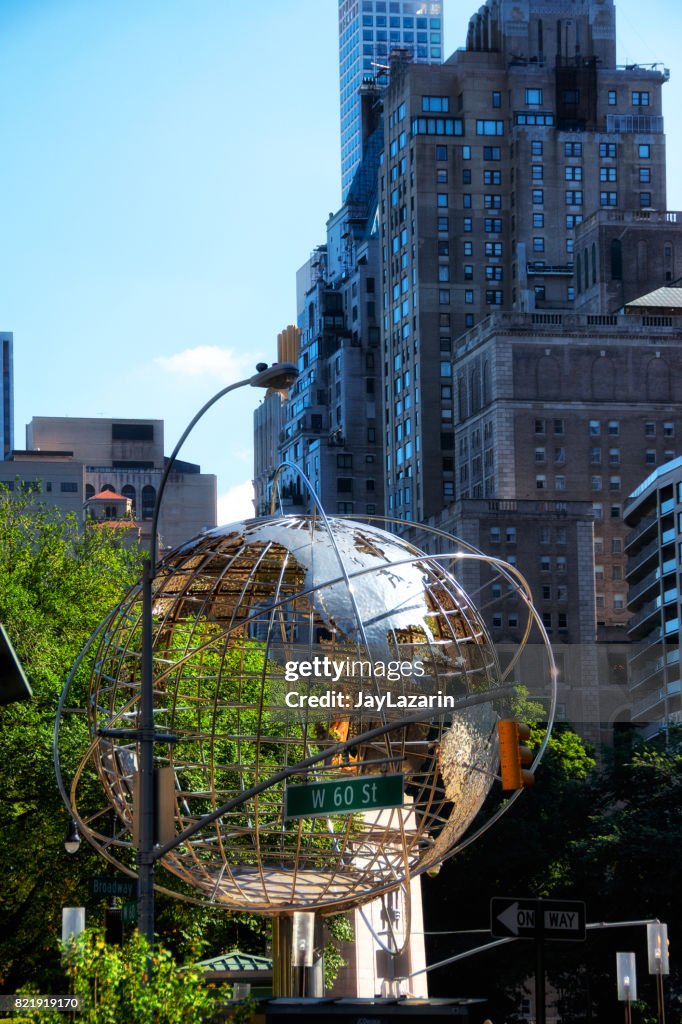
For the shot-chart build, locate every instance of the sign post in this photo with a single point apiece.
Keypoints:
(555, 920)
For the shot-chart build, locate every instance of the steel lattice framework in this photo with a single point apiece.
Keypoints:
(238, 614)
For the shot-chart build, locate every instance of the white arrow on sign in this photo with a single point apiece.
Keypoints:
(513, 918)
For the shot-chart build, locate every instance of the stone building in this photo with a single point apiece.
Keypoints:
(126, 457)
(492, 161)
(553, 407)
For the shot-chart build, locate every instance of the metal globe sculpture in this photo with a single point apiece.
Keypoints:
(282, 641)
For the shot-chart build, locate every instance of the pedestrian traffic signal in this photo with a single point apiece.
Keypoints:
(513, 755)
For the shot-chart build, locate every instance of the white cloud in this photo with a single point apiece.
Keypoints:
(208, 361)
(237, 503)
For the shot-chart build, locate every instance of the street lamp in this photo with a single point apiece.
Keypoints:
(279, 376)
(72, 840)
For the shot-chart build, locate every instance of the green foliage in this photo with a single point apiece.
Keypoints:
(608, 834)
(112, 984)
(340, 929)
(57, 583)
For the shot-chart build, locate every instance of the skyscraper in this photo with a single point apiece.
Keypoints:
(7, 395)
(368, 31)
(492, 161)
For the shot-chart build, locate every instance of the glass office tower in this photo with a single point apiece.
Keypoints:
(368, 31)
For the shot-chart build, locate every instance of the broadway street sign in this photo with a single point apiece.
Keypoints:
(560, 920)
(104, 885)
(362, 793)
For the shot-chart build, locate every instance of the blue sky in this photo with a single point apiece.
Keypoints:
(167, 165)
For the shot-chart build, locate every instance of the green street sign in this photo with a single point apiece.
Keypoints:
(129, 912)
(105, 885)
(362, 793)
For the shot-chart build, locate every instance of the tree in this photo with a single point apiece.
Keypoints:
(608, 834)
(57, 583)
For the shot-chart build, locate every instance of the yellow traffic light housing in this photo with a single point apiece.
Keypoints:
(513, 755)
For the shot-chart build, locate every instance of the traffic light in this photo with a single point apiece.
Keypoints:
(513, 756)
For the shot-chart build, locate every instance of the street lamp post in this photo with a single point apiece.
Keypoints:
(279, 376)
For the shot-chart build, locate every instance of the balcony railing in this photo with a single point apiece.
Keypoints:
(644, 555)
(643, 528)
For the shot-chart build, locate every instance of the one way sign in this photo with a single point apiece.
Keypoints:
(562, 920)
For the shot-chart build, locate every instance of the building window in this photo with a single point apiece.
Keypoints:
(533, 97)
(608, 199)
(644, 150)
(614, 428)
(490, 128)
(442, 199)
(644, 175)
(574, 198)
(614, 483)
(573, 149)
(612, 97)
(435, 104)
(497, 99)
(536, 172)
(540, 483)
(573, 173)
(644, 200)
(608, 174)
(68, 487)
(538, 244)
(538, 220)
(537, 197)
(607, 150)
(441, 152)
(595, 428)
(640, 99)
(615, 512)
